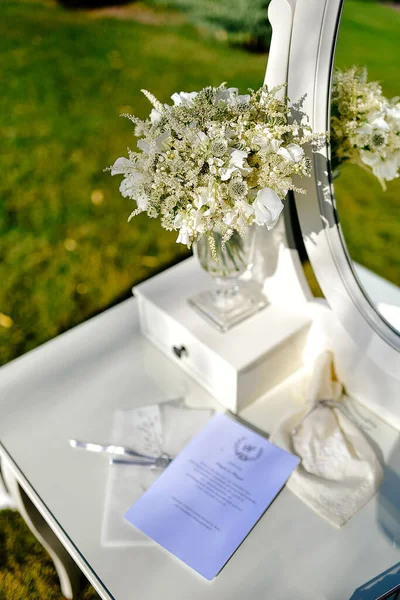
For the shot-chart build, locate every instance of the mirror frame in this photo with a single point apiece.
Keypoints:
(312, 51)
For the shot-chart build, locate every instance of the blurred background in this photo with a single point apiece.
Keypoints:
(68, 70)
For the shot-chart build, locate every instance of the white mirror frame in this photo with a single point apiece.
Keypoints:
(312, 49)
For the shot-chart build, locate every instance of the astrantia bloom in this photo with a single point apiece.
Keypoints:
(215, 160)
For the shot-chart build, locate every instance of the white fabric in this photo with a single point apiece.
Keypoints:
(152, 430)
(339, 471)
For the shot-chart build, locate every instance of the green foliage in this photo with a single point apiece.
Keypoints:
(26, 570)
(243, 22)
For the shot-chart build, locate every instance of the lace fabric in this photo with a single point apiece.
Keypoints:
(339, 471)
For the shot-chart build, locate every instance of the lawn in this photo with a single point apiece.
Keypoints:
(66, 250)
(370, 218)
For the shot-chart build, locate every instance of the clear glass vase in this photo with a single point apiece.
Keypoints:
(230, 300)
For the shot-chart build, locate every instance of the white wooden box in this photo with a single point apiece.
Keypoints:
(236, 367)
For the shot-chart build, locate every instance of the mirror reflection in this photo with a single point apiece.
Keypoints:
(365, 146)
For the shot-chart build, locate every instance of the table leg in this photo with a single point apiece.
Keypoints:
(69, 574)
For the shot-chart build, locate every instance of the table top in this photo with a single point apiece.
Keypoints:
(71, 388)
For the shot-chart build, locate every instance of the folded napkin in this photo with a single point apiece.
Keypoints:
(339, 471)
(151, 430)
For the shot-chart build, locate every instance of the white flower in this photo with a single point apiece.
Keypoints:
(226, 94)
(232, 97)
(184, 236)
(393, 112)
(127, 188)
(198, 137)
(235, 164)
(122, 166)
(292, 152)
(184, 98)
(266, 142)
(144, 146)
(230, 217)
(386, 169)
(246, 208)
(267, 207)
(369, 128)
(162, 141)
(155, 116)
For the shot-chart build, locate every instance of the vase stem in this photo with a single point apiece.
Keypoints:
(226, 291)
(229, 301)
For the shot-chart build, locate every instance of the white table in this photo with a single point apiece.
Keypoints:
(71, 387)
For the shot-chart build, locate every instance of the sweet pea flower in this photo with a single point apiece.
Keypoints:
(267, 208)
(235, 164)
(122, 166)
(292, 152)
(184, 236)
(184, 98)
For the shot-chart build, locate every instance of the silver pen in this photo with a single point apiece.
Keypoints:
(133, 457)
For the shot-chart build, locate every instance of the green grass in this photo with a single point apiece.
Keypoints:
(26, 570)
(65, 78)
(370, 218)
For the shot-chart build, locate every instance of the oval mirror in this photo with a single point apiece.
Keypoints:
(365, 148)
(349, 224)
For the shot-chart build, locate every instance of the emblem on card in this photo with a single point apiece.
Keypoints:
(246, 451)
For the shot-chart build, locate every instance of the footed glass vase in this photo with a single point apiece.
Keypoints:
(230, 300)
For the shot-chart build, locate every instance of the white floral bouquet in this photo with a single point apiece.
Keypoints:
(365, 125)
(215, 161)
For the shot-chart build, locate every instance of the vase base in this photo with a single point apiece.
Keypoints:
(225, 314)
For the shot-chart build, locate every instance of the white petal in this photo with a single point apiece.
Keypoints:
(295, 151)
(161, 141)
(369, 158)
(177, 99)
(386, 169)
(226, 173)
(285, 153)
(229, 217)
(121, 166)
(127, 188)
(365, 129)
(141, 202)
(184, 98)
(144, 146)
(380, 123)
(243, 99)
(183, 237)
(246, 208)
(267, 207)
(237, 158)
(393, 113)
(155, 116)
